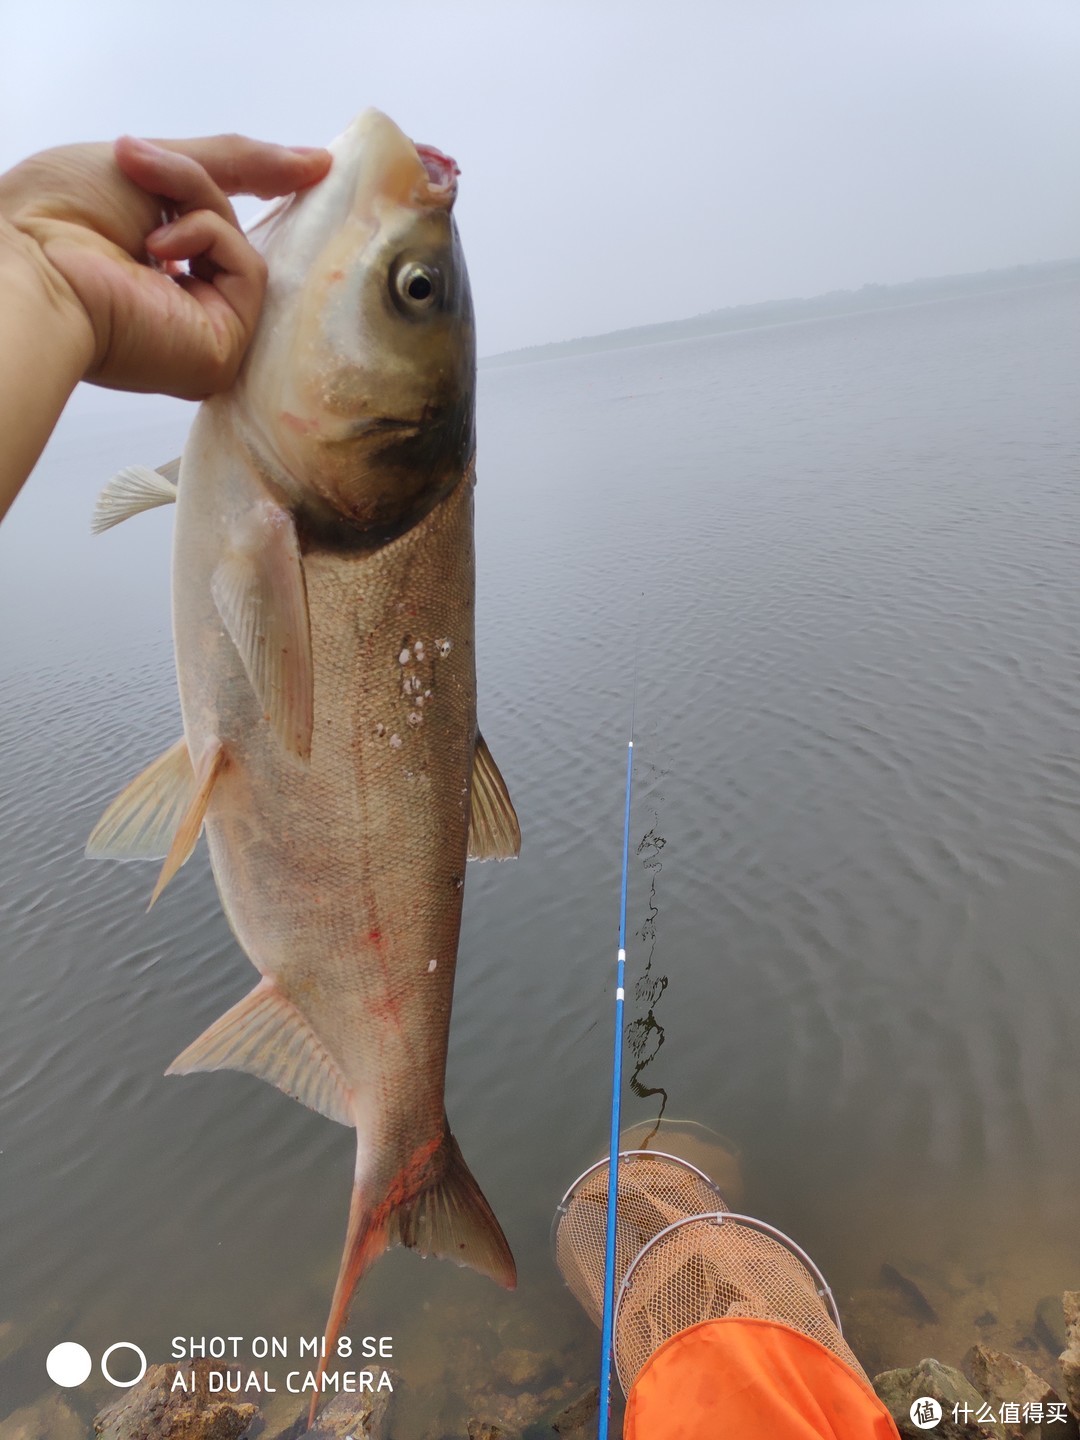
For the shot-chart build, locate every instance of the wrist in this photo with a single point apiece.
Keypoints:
(42, 309)
(46, 346)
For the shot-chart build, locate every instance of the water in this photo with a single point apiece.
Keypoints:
(842, 559)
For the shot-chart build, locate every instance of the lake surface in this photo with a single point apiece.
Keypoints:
(839, 563)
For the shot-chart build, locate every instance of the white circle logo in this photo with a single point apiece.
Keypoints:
(925, 1412)
(68, 1364)
(123, 1345)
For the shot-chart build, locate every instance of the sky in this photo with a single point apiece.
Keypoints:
(622, 163)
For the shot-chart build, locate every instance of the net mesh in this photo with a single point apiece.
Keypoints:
(707, 1268)
(654, 1191)
(709, 1264)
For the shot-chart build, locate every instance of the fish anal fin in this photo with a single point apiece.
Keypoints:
(434, 1206)
(191, 822)
(133, 490)
(266, 1035)
(261, 596)
(494, 832)
(142, 820)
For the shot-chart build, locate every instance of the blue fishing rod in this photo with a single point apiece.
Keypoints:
(616, 1109)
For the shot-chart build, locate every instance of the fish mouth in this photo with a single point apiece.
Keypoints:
(377, 162)
(442, 173)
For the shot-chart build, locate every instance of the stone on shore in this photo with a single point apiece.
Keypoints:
(362, 1416)
(1004, 1380)
(578, 1421)
(899, 1389)
(481, 1430)
(152, 1410)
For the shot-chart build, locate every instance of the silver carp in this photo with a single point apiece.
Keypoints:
(323, 603)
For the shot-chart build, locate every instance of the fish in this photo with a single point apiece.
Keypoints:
(323, 622)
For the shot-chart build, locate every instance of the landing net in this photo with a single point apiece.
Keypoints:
(682, 1257)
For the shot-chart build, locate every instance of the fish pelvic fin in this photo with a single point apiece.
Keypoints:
(142, 820)
(133, 490)
(260, 594)
(494, 832)
(191, 822)
(266, 1035)
(433, 1206)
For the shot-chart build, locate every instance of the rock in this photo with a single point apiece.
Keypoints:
(50, 1419)
(523, 1369)
(152, 1410)
(578, 1420)
(899, 1389)
(986, 1319)
(906, 1287)
(514, 1414)
(1004, 1380)
(481, 1430)
(360, 1416)
(1050, 1324)
(1070, 1356)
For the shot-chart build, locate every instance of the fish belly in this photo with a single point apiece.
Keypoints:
(342, 876)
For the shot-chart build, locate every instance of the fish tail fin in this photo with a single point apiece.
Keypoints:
(366, 1237)
(449, 1217)
(433, 1206)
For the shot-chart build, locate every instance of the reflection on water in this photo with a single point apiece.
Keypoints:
(645, 1034)
(859, 677)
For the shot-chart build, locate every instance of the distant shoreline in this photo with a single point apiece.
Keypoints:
(793, 311)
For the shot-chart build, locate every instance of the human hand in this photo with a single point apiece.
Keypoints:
(87, 221)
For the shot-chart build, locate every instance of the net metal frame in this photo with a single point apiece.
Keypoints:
(672, 1245)
(586, 1281)
(601, 1164)
(625, 1367)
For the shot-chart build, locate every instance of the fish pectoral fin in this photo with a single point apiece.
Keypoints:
(141, 821)
(494, 832)
(452, 1220)
(261, 596)
(133, 490)
(191, 821)
(266, 1035)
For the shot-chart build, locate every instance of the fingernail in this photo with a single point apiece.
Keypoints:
(308, 150)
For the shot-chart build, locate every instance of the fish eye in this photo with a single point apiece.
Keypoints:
(416, 285)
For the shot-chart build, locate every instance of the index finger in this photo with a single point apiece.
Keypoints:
(242, 166)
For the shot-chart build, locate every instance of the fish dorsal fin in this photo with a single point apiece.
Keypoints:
(260, 594)
(132, 491)
(494, 832)
(142, 820)
(266, 1035)
(191, 822)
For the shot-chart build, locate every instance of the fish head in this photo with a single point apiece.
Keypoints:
(360, 381)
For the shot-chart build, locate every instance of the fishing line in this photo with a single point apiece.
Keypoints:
(616, 1088)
